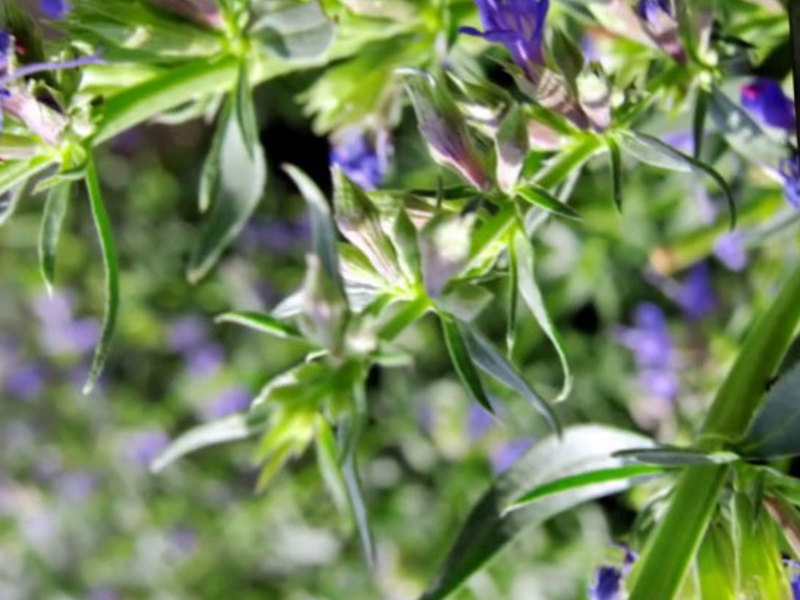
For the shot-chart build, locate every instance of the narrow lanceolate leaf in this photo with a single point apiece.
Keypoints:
(773, 432)
(323, 231)
(108, 249)
(538, 196)
(263, 323)
(699, 121)
(532, 295)
(615, 156)
(241, 179)
(462, 362)
(742, 132)
(328, 462)
(622, 472)
(209, 175)
(677, 457)
(489, 527)
(490, 360)
(55, 209)
(716, 564)
(8, 203)
(229, 429)
(245, 111)
(653, 151)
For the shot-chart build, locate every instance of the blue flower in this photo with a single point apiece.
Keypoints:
(5, 49)
(696, 296)
(230, 401)
(607, 585)
(654, 10)
(766, 100)
(789, 170)
(730, 250)
(658, 20)
(55, 9)
(363, 161)
(504, 456)
(517, 24)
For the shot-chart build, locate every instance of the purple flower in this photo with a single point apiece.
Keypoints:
(362, 160)
(230, 401)
(696, 296)
(789, 170)
(652, 11)
(504, 456)
(766, 100)
(607, 584)
(795, 582)
(187, 333)
(55, 9)
(183, 539)
(76, 486)
(25, 382)
(479, 421)
(517, 24)
(5, 49)
(143, 446)
(731, 251)
(205, 360)
(658, 20)
(60, 333)
(102, 593)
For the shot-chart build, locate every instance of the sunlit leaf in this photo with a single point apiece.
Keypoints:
(538, 196)
(263, 323)
(55, 209)
(462, 361)
(295, 30)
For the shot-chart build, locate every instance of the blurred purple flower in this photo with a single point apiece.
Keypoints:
(143, 446)
(363, 159)
(653, 10)
(479, 421)
(25, 382)
(76, 486)
(789, 170)
(55, 9)
(696, 295)
(517, 24)
(766, 100)
(102, 593)
(187, 333)
(795, 582)
(5, 49)
(731, 251)
(276, 236)
(205, 360)
(230, 401)
(661, 383)
(504, 456)
(608, 580)
(59, 332)
(183, 539)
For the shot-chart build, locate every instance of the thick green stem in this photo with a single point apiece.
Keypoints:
(672, 546)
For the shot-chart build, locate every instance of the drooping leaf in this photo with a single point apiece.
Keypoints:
(328, 462)
(460, 355)
(263, 323)
(651, 150)
(615, 157)
(107, 247)
(8, 203)
(489, 526)
(245, 111)
(538, 196)
(699, 122)
(295, 31)
(773, 432)
(532, 295)
(210, 173)
(241, 179)
(490, 360)
(677, 457)
(230, 429)
(55, 209)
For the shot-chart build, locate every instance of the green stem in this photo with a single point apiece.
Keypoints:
(406, 316)
(671, 548)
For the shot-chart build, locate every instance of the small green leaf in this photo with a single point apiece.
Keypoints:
(773, 432)
(107, 247)
(323, 231)
(699, 121)
(716, 564)
(538, 196)
(230, 429)
(328, 461)
(241, 180)
(210, 173)
(615, 156)
(568, 56)
(489, 527)
(8, 203)
(55, 209)
(491, 361)
(245, 111)
(462, 362)
(263, 323)
(677, 457)
(532, 295)
(295, 31)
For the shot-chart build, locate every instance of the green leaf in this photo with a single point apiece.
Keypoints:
(462, 362)
(651, 150)
(245, 111)
(490, 527)
(241, 180)
(538, 196)
(716, 564)
(699, 121)
(773, 432)
(107, 247)
(295, 31)
(677, 457)
(210, 173)
(532, 295)
(490, 360)
(9, 201)
(230, 429)
(323, 231)
(328, 461)
(14, 172)
(742, 132)
(615, 157)
(624, 472)
(263, 323)
(55, 209)
(512, 144)
(568, 56)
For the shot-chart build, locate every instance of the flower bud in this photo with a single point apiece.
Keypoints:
(37, 117)
(202, 12)
(594, 91)
(444, 247)
(444, 127)
(324, 306)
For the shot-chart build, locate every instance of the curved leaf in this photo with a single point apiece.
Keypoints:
(263, 323)
(538, 196)
(457, 348)
(773, 432)
(55, 209)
